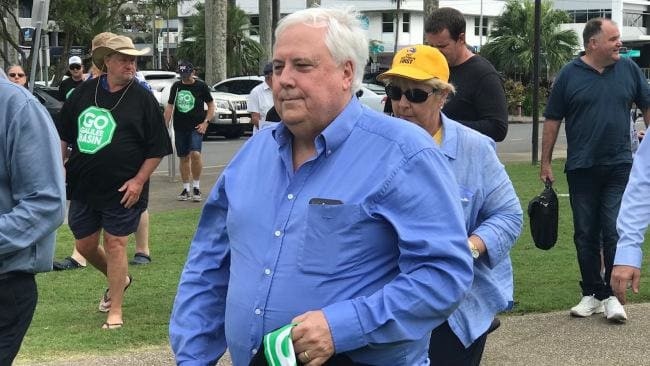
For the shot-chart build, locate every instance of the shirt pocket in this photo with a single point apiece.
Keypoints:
(467, 201)
(331, 242)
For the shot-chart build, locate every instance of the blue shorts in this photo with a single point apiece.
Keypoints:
(187, 141)
(118, 221)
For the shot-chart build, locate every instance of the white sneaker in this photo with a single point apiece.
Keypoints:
(614, 310)
(588, 305)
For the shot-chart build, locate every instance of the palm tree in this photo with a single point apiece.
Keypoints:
(242, 52)
(510, 46)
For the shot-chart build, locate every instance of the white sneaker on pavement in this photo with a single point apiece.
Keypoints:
(587, 306)
(614, 311)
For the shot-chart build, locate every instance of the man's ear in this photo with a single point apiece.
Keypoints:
(348, 74)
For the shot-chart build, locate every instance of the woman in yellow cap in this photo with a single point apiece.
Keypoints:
(418, 88)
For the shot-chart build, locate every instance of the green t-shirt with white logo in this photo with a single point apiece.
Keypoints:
(189, 104)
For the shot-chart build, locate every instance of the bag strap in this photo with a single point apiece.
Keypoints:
(548, 183)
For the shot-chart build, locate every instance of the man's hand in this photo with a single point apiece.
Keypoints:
(202, 127)
(622, 277)
(312, 340)
(546, 172)
(132, 189)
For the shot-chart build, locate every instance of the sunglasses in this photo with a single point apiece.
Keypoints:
(412, 95)
(14, 74)
(75, 67)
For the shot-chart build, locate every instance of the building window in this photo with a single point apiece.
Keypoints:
(387, 21)
(477, 28)
(406, 22)
(632, 19)
(25, 8)
(583, 15)
(255, 25)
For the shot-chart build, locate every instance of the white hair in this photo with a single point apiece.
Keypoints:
(345, 39)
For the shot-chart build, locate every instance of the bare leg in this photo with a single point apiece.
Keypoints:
(184, 167)
(78, 257)
(90, 249)
(116, 263)
(142, 235)
(197, 165)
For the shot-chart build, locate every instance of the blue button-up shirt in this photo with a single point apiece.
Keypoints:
(493, 213)
(634, 214)
(386, 258)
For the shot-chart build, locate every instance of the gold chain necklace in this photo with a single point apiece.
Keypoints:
(99, 80)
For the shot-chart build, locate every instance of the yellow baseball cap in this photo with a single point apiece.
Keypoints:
(419, 63)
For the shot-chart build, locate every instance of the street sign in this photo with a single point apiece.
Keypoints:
(631, 53)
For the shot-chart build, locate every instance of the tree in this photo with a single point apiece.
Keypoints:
(80, 21)
(266, 15)
(243, 53)
(9, 33)
(428, 6)
(510, 46)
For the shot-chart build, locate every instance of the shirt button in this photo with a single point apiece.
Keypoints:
(258, 311)
(278, 233)
(267, 271)
(329, 152)
(290, 196)
(254, 351)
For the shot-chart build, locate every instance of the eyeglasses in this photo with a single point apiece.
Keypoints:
(412, 95)
(75, 67)
(14, 74)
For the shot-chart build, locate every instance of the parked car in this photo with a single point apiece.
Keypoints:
(46, 95)
(369, 94)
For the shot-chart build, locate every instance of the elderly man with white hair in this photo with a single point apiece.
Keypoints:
(357, 241)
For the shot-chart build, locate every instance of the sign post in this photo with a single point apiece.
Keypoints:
(40, 9)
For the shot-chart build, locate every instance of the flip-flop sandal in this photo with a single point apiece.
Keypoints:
(111, 326)
(105, 302)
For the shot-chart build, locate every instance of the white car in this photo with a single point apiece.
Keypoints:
(231, 118)
(243, 85)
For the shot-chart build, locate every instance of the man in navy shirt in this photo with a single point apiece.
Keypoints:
(593, 94)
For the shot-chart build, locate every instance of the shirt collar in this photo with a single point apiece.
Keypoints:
(449, 145)
(334, 134)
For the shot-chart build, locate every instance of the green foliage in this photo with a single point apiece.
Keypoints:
(515, 94)
(243, 53)
(510, 46)
(528, 100)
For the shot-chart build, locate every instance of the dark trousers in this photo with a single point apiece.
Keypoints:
(595, 195)
(445, 349)
(18, 296)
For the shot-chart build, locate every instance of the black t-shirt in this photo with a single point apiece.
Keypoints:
(67, 86)
(188, 109)
(480, 101)
(102, 160)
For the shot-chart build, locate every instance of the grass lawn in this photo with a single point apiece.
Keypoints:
(67, 321)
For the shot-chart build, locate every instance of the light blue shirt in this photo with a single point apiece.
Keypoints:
(32, 191)
(492, 212)
(634, 214)
(387, 264)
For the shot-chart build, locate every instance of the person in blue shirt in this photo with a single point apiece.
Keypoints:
(358, 236)
(418, 86)
(32, 205)
(593, 94)
(631, 224)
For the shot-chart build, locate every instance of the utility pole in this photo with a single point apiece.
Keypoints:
(480, 28)
(536, 51)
